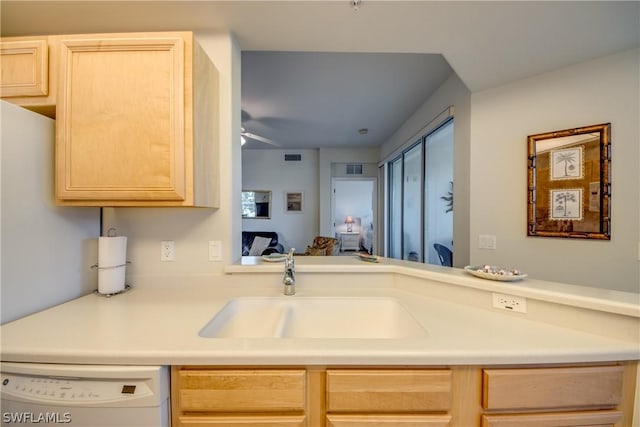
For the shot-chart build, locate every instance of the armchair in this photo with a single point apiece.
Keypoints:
(323, 246)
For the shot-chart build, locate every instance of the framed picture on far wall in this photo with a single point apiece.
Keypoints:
(293, 201)
(569, 183)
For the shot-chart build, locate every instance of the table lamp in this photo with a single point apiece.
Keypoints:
(349, 222)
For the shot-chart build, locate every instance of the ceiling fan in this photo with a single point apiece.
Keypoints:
(244, 136)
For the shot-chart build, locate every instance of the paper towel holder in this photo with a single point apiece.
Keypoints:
(111, 232)
(126, 288)
(109, 295)
(108, 268)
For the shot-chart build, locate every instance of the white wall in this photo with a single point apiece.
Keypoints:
(599, 91)
(267, 170)
(46, 250)
(193, 228)
(454, 93)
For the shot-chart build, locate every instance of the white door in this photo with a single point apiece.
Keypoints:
(355, 198)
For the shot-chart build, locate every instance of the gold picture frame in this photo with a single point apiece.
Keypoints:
(569, 183)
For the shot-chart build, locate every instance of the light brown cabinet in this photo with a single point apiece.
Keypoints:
(27, 73)
(559, 419)
(240, 421)
(136, 115)
(457, 396)
(388, 420)
(136, 121)
(406, 397)
(311, 397)
(238, 397)
(563, 396)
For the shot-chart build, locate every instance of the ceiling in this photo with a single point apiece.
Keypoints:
(300, 99)
(305, 100)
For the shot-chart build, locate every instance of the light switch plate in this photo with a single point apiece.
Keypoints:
(215, 250)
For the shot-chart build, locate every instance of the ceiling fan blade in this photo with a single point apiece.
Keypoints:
(259, 138)
(245, 116)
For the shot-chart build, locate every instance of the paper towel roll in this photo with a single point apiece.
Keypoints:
(111, 280)
(112, 260)
(112, 251)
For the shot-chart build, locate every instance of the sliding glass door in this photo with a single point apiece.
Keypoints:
(395, 209)
(412, 204)
(420, 199)
(438, 196)
(405, 205)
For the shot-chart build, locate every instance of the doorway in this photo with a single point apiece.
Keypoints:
(353, 214)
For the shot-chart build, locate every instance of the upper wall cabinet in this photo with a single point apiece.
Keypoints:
(136, 121)
(27, 76)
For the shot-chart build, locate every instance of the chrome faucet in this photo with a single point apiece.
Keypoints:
(289, 279)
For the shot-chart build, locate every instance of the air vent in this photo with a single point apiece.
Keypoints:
(292, 157)
(354, 169)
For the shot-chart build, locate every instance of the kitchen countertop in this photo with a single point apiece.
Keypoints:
(159, 324)
(608, 300)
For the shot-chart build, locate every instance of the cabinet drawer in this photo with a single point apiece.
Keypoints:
(552, 388)
(388, 390)
(250, 421)
(388, 420)
(24, 68)
(561, 419)
(242, 390)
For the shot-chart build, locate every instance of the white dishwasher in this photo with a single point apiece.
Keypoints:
(84, 395)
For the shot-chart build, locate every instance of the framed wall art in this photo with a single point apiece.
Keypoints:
(293, 201)
(569, 184)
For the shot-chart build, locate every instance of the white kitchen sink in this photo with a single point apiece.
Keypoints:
(313, 317)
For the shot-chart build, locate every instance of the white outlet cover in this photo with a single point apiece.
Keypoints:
(167, 250)
(509, 302)
(486, 241)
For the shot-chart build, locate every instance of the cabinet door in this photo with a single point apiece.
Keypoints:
(375, 391)
(24, 67)
(269, 390)
(552, 388)
(388, 420)
(248, 421)
(561, 419)
(121, 133)
(28, 73)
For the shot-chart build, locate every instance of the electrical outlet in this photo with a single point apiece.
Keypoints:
(487, 241)
(215, 250)
(167, 250)
(509, 302)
